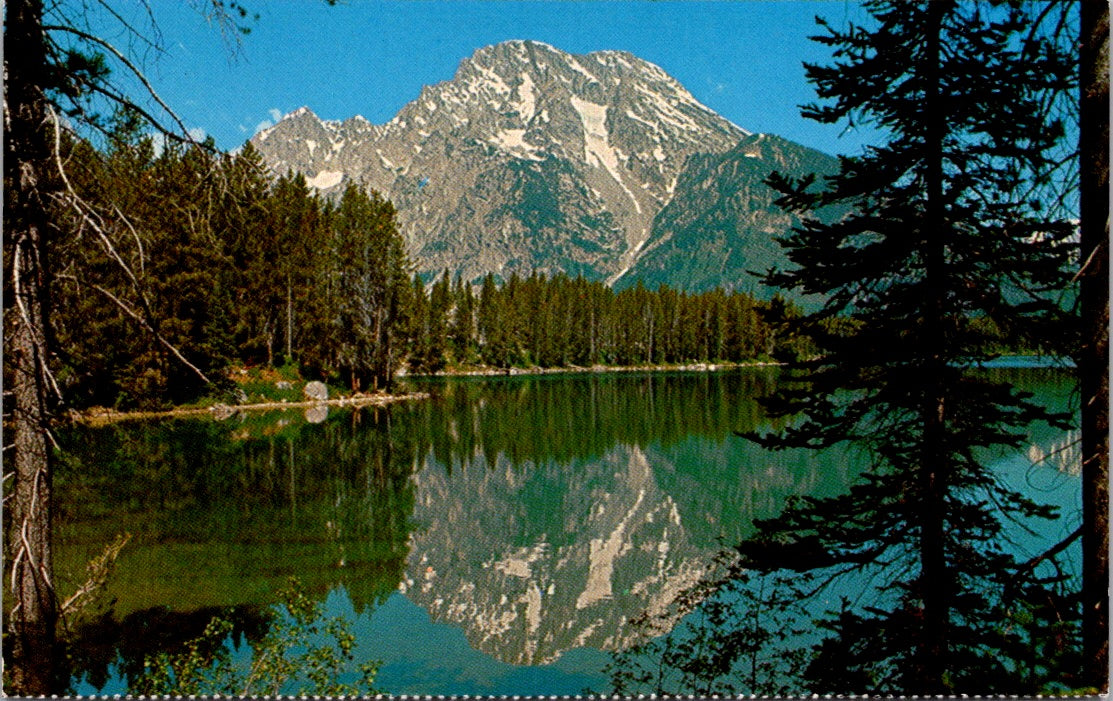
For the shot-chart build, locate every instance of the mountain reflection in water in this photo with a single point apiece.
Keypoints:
(534, 516)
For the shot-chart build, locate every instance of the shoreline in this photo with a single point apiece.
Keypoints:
(583, 370)
(97, 416)
(101, 416)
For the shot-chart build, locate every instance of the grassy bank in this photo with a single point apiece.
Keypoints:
(281, 388)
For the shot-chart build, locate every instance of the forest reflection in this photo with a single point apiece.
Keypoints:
(498, 486)
(221, 513)
(819, 600)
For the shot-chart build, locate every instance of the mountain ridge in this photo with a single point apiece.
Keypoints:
(530, 159)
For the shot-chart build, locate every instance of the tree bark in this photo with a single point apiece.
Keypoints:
(934, 454)
(289, 320)
(32, 618)
(1093, 361)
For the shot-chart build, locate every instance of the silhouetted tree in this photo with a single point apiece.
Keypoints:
(1093, 356)
(946, 227)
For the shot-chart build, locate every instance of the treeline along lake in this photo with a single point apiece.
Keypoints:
(241, 269)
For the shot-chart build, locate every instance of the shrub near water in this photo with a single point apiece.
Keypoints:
(269, 384)
(302, 653)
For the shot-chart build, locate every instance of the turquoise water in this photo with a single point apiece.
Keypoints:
(496, 539)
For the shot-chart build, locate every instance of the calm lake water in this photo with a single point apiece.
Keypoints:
(495, 539)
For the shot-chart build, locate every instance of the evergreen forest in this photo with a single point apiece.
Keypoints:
(218, 265)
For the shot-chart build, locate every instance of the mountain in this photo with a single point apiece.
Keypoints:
(722, 224)
(617, 549)
(532, 158)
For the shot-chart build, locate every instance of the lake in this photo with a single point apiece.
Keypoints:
(494, 539)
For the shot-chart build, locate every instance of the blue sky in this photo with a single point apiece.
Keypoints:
(742, 58)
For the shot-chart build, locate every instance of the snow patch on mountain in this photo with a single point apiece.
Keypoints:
(597, 147)
(514, 142)
(299, 112)
(325, 179)
(527, 100)
(386, 162)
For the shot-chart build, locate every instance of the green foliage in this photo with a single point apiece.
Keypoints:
(950, 245)
(215, 264)
(301, 653)
(733, 633)
(560, 321)
(364, 295)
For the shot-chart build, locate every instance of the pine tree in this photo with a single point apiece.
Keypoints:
(297, 232)
(582, 323)
(946, 227)
(369, 304)
(418, 332)
(493, 331)
(462, 328)
(45, 79)
(144, 317)
(242, 224)
(440, 301)
(1093, 356)
(186, 280)
(28, 239)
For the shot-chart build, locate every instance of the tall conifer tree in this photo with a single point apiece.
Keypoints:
(45, 75)
(1093, 356)
(946, 229)
(369, 308)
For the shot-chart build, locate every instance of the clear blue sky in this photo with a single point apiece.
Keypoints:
(742, 58)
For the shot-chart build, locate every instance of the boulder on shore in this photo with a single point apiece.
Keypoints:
(315, 391)
(222, 412)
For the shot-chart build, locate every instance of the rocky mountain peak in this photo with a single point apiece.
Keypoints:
(302, 112)
(529, 158)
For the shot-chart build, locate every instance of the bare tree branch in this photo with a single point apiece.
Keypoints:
(136, 72)
(161, 339)
(99, 569)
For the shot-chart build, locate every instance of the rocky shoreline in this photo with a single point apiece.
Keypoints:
(100, 416)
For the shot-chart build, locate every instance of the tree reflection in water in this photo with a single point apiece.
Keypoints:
(823, 598)
(493, 483)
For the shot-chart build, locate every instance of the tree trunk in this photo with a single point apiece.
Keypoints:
(32, 618)
(1093, 361)
(289, 320)
(934, 468)
(33, 614)
(268, 333)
